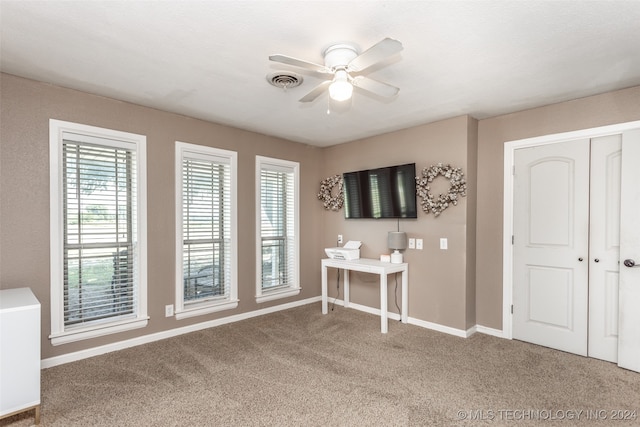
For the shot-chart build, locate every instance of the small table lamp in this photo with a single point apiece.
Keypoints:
(397, 240)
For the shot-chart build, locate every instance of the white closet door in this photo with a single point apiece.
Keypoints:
(629, 319)
(551, 227)
(604, 247)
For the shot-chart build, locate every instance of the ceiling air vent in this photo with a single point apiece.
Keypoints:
(284, 79)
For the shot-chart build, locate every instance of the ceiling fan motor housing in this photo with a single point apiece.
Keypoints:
(339, 55)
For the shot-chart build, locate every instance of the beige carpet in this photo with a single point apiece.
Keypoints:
(299, 368)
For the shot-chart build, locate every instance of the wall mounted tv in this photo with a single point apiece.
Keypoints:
(388, 192)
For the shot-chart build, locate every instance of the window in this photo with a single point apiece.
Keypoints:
(206, 248)
(98, 232)
(277, 224)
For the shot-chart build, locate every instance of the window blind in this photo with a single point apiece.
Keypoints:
(277, 227)
(206, 228)
(99, 212)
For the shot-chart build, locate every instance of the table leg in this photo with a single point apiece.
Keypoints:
(405, 296)
(384, 324)
(325, 308)
(346, 288)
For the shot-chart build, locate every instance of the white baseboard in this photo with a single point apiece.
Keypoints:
(121, 345)
(440, 328)
(424, 324)
(367, 309)
(490, 331)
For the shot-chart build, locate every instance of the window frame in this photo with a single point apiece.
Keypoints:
(60, 334)
(201, 152)
(264, 295)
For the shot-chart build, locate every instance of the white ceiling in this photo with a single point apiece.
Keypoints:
(209, 59)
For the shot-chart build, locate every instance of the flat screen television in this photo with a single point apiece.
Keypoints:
(388, 192)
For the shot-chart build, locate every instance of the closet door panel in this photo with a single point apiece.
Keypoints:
(629, 314)
(604, 246)
(551, 226)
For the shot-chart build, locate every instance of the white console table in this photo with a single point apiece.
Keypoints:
(369, 266)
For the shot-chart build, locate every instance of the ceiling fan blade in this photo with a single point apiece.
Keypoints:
(316, 92)
(374, 86)
(299, 63)
(376, 53)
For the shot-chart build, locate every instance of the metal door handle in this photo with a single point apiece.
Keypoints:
(630, 263)
(597, 260)
(580, 259)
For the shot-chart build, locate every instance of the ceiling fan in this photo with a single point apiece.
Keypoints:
(345, 67)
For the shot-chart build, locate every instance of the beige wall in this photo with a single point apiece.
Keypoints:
(27, 107)
(457, 288)
(609, 108)
(440, 283)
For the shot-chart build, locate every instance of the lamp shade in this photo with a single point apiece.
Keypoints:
(397, 240)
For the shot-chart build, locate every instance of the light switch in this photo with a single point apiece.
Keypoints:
(419, 244)
(444, 243)
(412, 243)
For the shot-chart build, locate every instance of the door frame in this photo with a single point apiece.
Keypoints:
(507, 230)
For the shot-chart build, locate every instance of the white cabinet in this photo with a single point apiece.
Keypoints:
(19, 352)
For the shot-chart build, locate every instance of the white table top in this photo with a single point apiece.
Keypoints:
(366, 265)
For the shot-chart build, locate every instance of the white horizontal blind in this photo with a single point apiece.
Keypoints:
(206, 228)
(99, 222)
(277, 219)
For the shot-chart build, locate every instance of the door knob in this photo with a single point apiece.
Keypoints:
(596, 260)
(580, 259)
(630, 263)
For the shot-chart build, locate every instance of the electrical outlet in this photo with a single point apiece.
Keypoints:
(168, 310)
(444, 244)
(419, 244)
(412, 243)
(339, 238)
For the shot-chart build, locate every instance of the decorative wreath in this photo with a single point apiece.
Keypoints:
(438, 204)
(330, 201)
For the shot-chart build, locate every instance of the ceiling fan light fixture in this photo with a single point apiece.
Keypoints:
(340, 89)
(340, 60)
